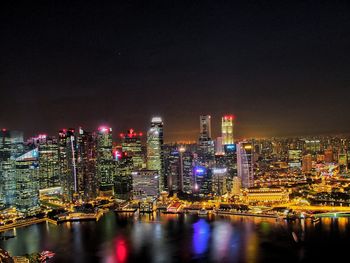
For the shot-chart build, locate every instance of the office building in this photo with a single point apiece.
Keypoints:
(131, 146)
(87, 179)
(227, 129)
(105, 165)
(245, 164)
(145, 184)
(155, 151)
(307, 164)
(67, 164)
(49, 169)
(27, 182)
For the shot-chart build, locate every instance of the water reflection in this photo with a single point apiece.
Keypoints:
(184, 238)
(222, 235)
(201, 236)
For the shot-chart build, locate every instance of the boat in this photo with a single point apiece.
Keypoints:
(203, 212)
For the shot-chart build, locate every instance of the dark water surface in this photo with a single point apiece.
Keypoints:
(186, 238)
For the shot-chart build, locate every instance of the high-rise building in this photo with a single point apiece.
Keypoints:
(307, 164)
(49, 172)
(294, 158)
(86, 165)
(145, 184)
(131, 146)
(206, 148)
(328, 156)
(236, 185)
(8, 182)
(105, 164)
(187, 170)
(27, 182)
(219, 147)
(155, 154)
(219, 178)
(205, 126)
(11, 146)
(245, 164)
(123, 176)
(67, 163)
(227, 129)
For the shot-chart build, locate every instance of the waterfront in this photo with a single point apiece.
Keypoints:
(184, 238)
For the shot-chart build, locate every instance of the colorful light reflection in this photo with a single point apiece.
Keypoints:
(121, 250)
(201, 236)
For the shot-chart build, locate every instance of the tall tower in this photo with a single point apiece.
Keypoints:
(227, 129)
(131, 146)
(86, 165)
(27, 183)
(67, 163)
(105, 163)
(155, 157)
(205, 126)
(48, 163)
(206, 149)
(245, 164)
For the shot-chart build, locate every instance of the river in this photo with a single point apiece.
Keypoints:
(185, 238)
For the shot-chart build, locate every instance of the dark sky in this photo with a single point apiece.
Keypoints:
(282, 67)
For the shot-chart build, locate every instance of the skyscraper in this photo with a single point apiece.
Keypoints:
(245, 164)
(11, 146)
(27, 182)
(206, 149)
(67, 163)
(131, 145)
(227, 129)
(155, 157)
(48, 163)
(86, 165)
(205, 126)
(307, 164)
(105, 163)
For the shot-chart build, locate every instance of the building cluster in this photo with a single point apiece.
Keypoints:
(80, 166)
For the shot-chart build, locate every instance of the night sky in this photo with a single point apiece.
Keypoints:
(281, 67)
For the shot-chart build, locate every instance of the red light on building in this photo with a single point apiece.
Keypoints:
(4, 130)
(229, 117)
(140, 134)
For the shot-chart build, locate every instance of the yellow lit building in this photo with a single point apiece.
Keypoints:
(265, 195)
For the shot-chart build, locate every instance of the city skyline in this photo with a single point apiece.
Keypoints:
(180, 135)
(282, 69)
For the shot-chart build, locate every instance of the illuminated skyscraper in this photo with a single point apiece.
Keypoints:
(206, 149)
(131, 146)
(307, 164)
(86, 165)
(155, 157)
(227, 129)
(123, 177)
(27, 182)
(205, 126)
(67, 163)
(245, 166)
(11, 146)
(294, 158)
(8, 182)
(105, 163)
(49, 172)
